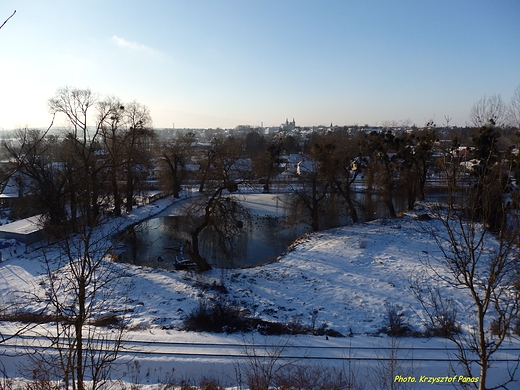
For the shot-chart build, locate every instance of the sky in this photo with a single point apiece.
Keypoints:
(223, 63)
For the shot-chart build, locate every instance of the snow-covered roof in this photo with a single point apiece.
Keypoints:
(306, 166)
(23, 226)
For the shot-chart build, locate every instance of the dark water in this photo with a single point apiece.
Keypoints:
(158, 242)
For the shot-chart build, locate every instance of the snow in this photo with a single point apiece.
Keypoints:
(265, 204)
(23, 226)
(340, 278)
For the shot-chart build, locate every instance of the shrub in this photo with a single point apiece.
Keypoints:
(395, 322)
(441, 313)
(28, 317)
(227, 316)
(273, 373)
(185, 385)
(41, 380)
(304, 377)
(109, 320)
(6, 383)
(209, 384)
(218, 316)
(444, 323)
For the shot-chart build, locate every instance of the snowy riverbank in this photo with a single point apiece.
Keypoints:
(341, 279)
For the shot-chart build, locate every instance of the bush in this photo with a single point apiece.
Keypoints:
(28, 317)
(444, 324)
(210, 384)
(289, 376)
(441, 312)
(302, 377)
(185, 385)
(109, 320)
(227, 316)
(218, 316)
(395, 322)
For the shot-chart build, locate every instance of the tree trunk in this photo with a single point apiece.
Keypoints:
(95, 196)
(176, 187)
(79, 333)
(390, 205)
(175, 178)
(129, 189)
(268, 178)
(346, 195)
(422, 180)
(116, 195)
(484, 361)
(193, 250)
(202, 182)
(315, 220)
(314, 209)
(412, 195)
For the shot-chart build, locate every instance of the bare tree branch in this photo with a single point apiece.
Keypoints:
(8, 19)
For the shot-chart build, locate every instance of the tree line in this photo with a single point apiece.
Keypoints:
(101, 158)
(108, 150)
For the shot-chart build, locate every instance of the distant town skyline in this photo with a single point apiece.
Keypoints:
(209, 64)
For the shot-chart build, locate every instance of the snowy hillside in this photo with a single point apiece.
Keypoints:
(341, 279)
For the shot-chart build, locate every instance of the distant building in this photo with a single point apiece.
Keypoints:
(306, 166)
(288, 126)
(291, 163)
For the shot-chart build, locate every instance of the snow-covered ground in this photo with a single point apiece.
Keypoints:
(341, 278)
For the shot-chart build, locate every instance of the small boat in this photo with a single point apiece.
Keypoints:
(185, 264)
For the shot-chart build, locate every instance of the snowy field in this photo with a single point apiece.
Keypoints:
(341, 279)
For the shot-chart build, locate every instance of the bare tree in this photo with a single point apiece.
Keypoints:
(206, 162)
(482, 264)
(98, 128)
(112, 120)
(127, 136)
(78, 105)
(138, 139)
(265, 162)
(80, 284)
(514, 109)
(41, 178)
(82, 287)
(175, 155)
(218, 211)
(254, 143)
(488, 111)
(414, 153)
(339, 162)
(392, 364)
(379, 150)
(309, 192)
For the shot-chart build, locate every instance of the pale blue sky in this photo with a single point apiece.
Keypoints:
(222, 63)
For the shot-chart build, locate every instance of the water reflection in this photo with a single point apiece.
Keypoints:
(159, 242)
